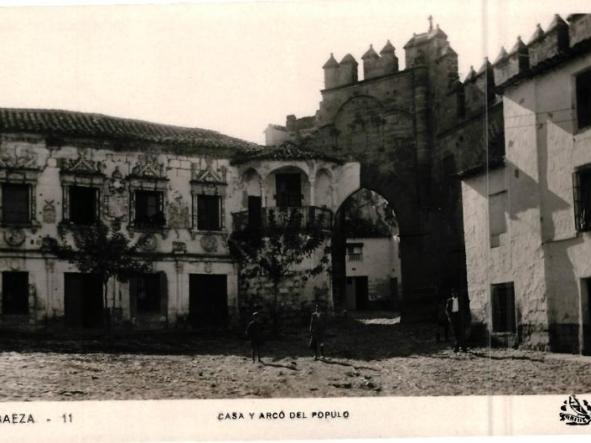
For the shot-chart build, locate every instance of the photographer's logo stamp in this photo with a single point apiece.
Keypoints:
(573, 413)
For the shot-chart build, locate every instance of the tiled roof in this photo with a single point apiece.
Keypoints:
(86, 125)
(285, 151)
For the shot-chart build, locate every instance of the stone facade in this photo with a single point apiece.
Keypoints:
(525, 221)
(411, 130)
(155, 183)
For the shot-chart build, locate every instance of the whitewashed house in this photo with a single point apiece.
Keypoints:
(527, 217)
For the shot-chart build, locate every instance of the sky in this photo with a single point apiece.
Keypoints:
(230, 66)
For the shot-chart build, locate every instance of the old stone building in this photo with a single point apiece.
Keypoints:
(412, 130)
(526, 217)
(178, 192)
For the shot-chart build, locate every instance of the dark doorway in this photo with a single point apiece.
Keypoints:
(15, 293)
(208, 301)
(357, 295)
(289, 190)
(83, 297)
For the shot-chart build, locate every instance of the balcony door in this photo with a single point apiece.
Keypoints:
(255, 205)
(288, 190)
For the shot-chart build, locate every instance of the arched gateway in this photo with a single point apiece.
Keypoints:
(412, 131)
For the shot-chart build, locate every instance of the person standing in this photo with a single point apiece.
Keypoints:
(317, 330)
(254, 333)
(455, 316)
(442, 319)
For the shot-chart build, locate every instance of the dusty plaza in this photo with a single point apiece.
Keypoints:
(418, 229)
(365, 357)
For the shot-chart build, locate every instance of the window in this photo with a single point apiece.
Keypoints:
(355, 251)
(497, 209)
(582, 198)
(146, 293)
(583, 87)
(16, 200)
(503, 308)
(15, 293)
(208, 213)
(149, 211)
(84, 208)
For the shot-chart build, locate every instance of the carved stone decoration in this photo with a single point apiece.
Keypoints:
(116, 183)
(179, 247)
(148, 166)
(178, 213)
(117, 207)
(26, 158)
(209, 243)
(209, 174)
(48, 212)
(148, 242)
(14, 237)
(82, 165)
(208, 267)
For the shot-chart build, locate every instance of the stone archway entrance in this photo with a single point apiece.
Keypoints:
(367, 272)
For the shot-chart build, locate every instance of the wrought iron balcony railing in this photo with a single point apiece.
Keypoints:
(304, 217)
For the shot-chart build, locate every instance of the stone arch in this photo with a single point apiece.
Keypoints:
(379, 236)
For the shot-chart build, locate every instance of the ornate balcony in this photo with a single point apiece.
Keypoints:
(304, 217)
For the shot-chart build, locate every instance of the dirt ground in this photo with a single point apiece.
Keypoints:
(366, 357)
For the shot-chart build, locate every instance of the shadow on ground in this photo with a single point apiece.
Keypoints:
(365, 338)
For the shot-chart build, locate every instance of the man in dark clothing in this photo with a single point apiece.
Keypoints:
(317, 330)
(253, 332)
(455, 317)
(442, 319)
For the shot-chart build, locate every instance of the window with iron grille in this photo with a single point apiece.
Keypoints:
(83, 205)
(503, 308)
(149, 210)
(15, 293)
(16, 204)
(583, 86)
(355, 251)
(208, 213)
(582, 198)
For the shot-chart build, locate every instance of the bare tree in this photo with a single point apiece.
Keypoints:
(275, 250)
